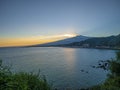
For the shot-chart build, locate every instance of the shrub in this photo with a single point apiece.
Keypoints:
(21, 80)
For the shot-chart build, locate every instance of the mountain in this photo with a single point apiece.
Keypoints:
(65, 41)
(111, 41)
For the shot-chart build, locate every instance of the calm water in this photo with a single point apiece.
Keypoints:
(61, 66)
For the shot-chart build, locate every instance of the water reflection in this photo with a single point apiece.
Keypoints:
(69, 55)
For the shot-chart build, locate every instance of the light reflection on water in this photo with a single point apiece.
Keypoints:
(62, 66)
(69, 57)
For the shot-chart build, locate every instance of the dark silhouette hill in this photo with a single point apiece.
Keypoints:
(110, 41)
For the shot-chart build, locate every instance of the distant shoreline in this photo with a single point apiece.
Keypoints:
(79, 47)
(65, 47)
(95, 48)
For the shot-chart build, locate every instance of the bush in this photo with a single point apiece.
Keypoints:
(21, 81)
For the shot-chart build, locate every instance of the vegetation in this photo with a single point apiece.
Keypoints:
(21, 81)
(113, 80)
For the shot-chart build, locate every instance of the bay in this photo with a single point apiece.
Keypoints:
(63, 67)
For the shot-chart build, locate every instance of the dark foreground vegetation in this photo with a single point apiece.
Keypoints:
(21, 81)
(30, 81)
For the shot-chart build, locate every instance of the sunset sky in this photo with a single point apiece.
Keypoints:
(26, 22)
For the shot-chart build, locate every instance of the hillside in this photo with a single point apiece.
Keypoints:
(107, 42)
(64, 41)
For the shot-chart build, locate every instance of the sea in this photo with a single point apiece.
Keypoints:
(63, 67)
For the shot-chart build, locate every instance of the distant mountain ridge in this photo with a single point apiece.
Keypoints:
(65, 41)
(108, 42)
(86, 42)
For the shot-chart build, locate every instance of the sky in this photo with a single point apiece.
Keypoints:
(26, 22)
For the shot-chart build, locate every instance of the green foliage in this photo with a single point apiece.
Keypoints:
(118, 56)
(21, 81)
(115, 68)
(113, 82)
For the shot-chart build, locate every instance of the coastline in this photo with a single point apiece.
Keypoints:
(111, 48)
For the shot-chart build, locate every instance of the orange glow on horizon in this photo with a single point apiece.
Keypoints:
(6, 42)
(23, 42)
